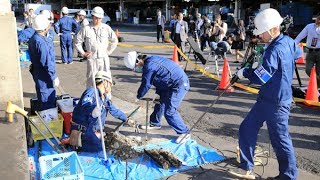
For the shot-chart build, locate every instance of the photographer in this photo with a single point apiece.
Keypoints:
(218, 34)
(205, 32)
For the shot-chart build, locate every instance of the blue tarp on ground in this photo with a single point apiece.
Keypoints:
(142, 167)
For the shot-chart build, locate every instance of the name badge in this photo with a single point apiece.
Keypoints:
(263, 74)
(314, 42)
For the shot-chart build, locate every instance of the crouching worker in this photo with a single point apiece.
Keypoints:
(85, 132)
(171, 83)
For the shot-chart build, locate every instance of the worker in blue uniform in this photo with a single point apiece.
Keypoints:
(65, 27)
(274, 99)
(27, 33)
(171, 83)
(43, 63)
(86, 113)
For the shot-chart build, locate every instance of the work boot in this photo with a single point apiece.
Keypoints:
(241, 173)
(273, 178)
(151, 127)
(183, 138)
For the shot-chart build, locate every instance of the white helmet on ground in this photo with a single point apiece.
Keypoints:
(103, 75)
(266, 20)
(98, 12)
(82, 13)
(40, 22)
(65, 10)
(130, 59)
(48, 14)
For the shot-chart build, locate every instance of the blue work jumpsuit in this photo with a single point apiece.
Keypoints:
(82, 116)
(272, 106)
(171, 84)
(26, 34)
(43, 69)
(66, 25)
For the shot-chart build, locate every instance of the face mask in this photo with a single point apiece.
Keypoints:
(138, 69)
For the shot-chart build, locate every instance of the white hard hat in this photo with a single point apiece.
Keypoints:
(98, 12)
(85, 22)
(199, 15)
(103, 75)
(130, 59)
(65, 10)
(40, 22)
(82, 13)
(266, 20)
(48, 14)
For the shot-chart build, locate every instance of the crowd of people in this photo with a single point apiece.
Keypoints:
(96, 41)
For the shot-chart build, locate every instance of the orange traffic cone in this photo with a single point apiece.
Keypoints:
(301, 59)
(312, 91)
(225, 78)
(117, 32)
(175, 54)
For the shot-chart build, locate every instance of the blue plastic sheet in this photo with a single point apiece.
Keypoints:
(145, 168)
(142, 167)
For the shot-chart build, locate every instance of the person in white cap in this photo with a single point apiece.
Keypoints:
(43, 68)
(100, 41)
(274, 98)
(65, 27)
(86, 113)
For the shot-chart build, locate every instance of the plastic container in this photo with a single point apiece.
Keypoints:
(64, 166)
(54, 125)
(66, 106)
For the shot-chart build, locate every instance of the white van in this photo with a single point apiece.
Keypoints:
(72, 12)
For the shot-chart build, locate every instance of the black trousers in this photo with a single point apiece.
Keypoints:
(160, 31)
(180, 44)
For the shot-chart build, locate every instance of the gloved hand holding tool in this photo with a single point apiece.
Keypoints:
(130, 122)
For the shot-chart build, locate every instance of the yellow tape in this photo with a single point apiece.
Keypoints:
(241, 86)
(137, 32)
(145, 46)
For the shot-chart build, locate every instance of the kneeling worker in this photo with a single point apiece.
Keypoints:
(86, 113)
(171, 83)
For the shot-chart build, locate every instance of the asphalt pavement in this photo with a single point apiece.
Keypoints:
(218, 129)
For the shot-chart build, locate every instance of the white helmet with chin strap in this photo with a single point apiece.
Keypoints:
(40, 22)
(130, 59)
(266, 20)
(103, 75)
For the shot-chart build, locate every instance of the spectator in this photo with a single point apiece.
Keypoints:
(205, 32)
(180, 33)
(161, 20)
(238, 40)
(171, 25)
(312, 32)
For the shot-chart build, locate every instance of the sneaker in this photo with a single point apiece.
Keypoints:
(241, 173)
(151, 127)
(70, 62)
(183, 138)
(64, 63)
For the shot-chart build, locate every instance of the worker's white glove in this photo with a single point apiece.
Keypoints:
(73, 33)
(56, 82)
(255, 65)
(240, 73)
(59, 34)
(131, 122)
(96, 112)
(137, 100)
